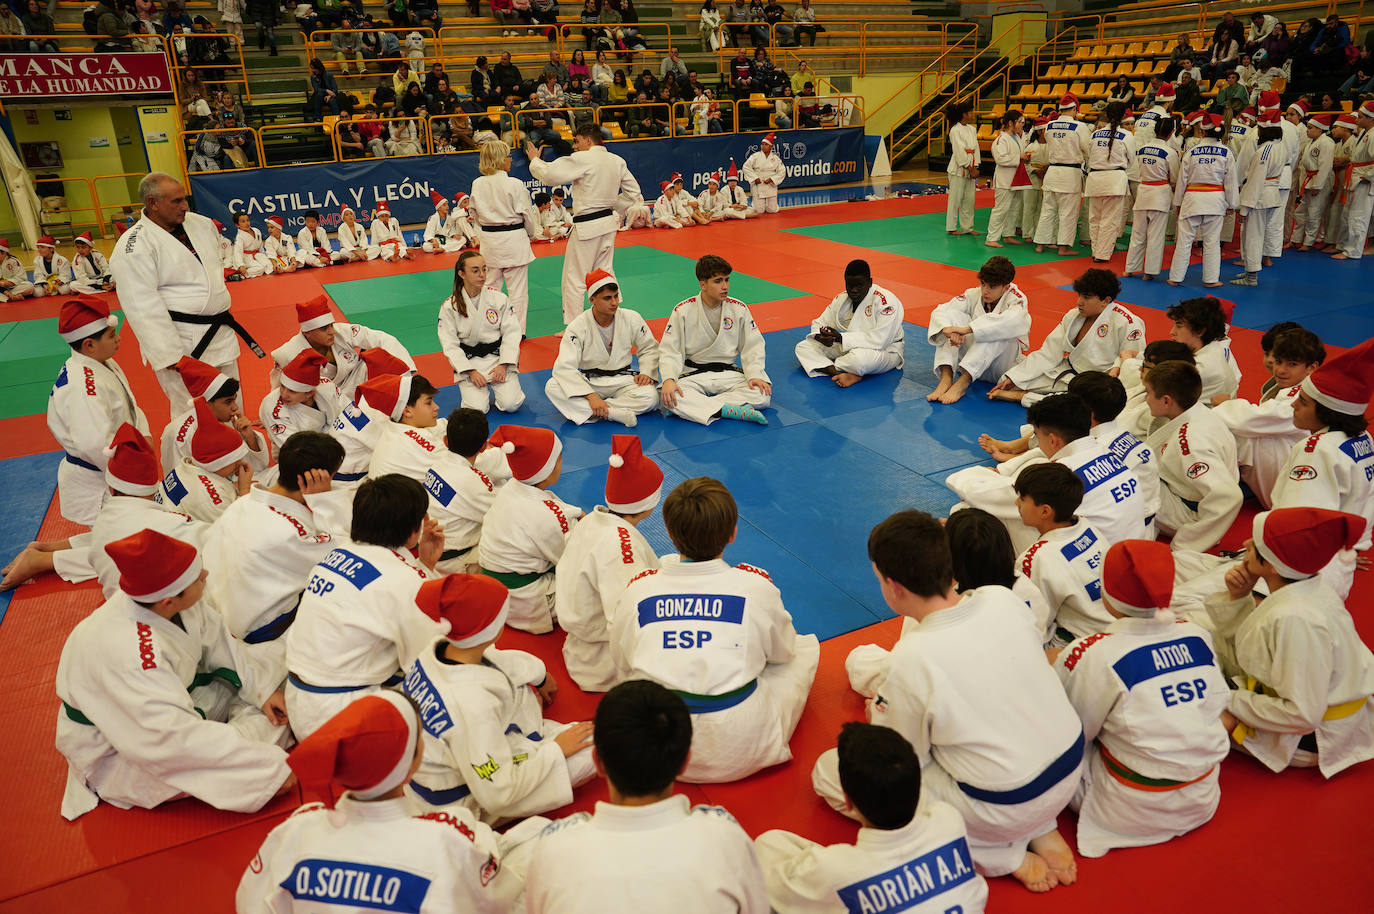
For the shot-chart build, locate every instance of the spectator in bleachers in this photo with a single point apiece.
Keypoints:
(10, 24)
(230, 15)
(37, 22)
(557, 67)
(436, 73)
(779, 19)
(425, 14)
(1232, 96)
(506, 17)
(307, 21)
(350, 141)
(482, 83)
(577, 68)
(672, 67)
(1329, 47)
(445, 100)
(1261, 26)
(1229, 25)
(146, 11)
(175, 19)
(1184, 48)
(237, 143)
(413, 100)
(737, 21)
(405, 139)
(399, 12)
(384, 96)
(550, 93)
(372, 132)
(348, 48)
(264, 15)
(1223, 56)
(602, 75)
(708, 28)
(782, 116)
(619, 92)
(647, 83)
(1187, 95)
(507, 75)
(324, 91)
(590, 19)
(758, 24)
(537, 122)
(629, 19)
(401, 79)
(1302, 49)
(805, 18)
(1122, 91)
(741, 74)
(805, 74)
(1151, 90)
(765, 76)
(646, 120)
(109, 22)
(545, 12)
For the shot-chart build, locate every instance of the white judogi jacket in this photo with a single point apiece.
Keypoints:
(690, 336)
(1197, 463)
(490, 319)
(282, 251)
(582, 349)
(1138, 458)
(354, 238)
(345, 369)
(125, 515)
(597, 177)
(90, 273)
(1151, 693)
(1066, 566)
(1316, 164)
(460, 495)
(875, 323)
(1109, 156)
(248, 249)
(129, 672)
(1296, 659)
(1207, 179)
(1260, 180)
(929, 858)
(1006, 152)
(282, 420)
(1159, 164)
(1113, 331)
(713, 204)
(53, 275)
(525, 530)
(1218, 369)
(499, 200)
(358, 429)
(262, 551)
(12, 270)
(460, 227)
(176, 443)
(155, 274)
(603, 553)
(445, 865)
(964, 153)
(759, 167)
(315, 249)
(735, 194)
(437, 230)
(88, 403)
(193, 490)
(667, 857)
(1265, 437)
(387, 235)
(1067, 142)
(407, 450)
(1145, 124)
(1008, 320)
(483, 731)
(672, 211)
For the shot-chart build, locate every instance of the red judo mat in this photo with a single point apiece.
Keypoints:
(1278, 842)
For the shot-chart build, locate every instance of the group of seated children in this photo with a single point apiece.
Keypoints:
(53, 274)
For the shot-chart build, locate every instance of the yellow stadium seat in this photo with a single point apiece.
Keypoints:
(1082, 52)
(1070, 71)
(1159, 67)
(564, 131)
(1156, 48)
(1026, 91)
(986, 132)
(1100, 52)
(1139, 87)
(1087, 71)
(997, 111)
(1142, 68)
(1054, 72)
(1135, 49)
(328, 121)
(1116, 50)
(1059, 90)
(1043, 91)
(616, 132)
(1079, 89)
(1122, 69)
(1096, 90)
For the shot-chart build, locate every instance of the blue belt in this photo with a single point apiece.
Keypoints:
(349, 477)
(1149, 520)
(705, 704)
(1059, 769)
(77, 461)
(441, 797)
(394, 679)
(274, 629)
(1190, 505)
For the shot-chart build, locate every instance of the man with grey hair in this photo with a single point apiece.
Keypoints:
(171, 286)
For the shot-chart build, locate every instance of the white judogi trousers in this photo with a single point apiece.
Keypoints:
(507, 395)
(1254, 237)
(703, 394)
(1105, 218)
(862, 362)
(619, 392)
(1006, 213)
(959, 206)
(582, 256)
(1307, 218)
(1273, 228)
(516, 280)
(1030, 211)
(1208, 229)
(1147, 242)
(1357, 219)
(1058, 217)
(982, 361)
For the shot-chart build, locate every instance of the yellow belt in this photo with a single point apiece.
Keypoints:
(1204, 187)
(1334, 712)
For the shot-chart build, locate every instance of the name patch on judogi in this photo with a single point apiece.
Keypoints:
(700, 607)
(439, 488)
(914, 882)
(434, 714)
(357, 884)
(1153, 660)
(357, 571)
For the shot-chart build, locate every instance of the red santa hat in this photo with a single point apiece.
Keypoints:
(153, 566)
(475, 606)
(366, 749)
(1247, 115)
(380, 362)
(1040, 123)
(1216, 120)
(201, 379)
(1069, 102)
(1165, 92)
(598, 278)
(1299, 542)
(1346, 120)
(386, 393)
(675, 178)
(733, 173)
(132, 465)
(1299, 106)
(1366, 109)
(382, 207)
(83, 238)
(47, 241)
(460, 199)
(1138, 577)
(314, 314)
(1345, 382)
(531, 452)
(4, 246)
(664, 185)
(713, 178)
(437, 198)
(278, 221)
(1128, 117)
(770, 140)
(1269, 116)
(1268, 101)
(1321, 121)
(302, 373)
(346, 209)
(214, 445)
(634, 482)
(82, 316)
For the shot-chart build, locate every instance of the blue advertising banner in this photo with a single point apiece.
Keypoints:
(813, 157)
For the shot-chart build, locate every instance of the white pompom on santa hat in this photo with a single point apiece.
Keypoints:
(314, 314)
(598, 278)
(1299, 542)
(153, 566)
(1345, 382)
(201, 378)
(531, 452)
(214, 445)
(131, 468)
(386, 393)
(1138, 579)
(366, 749)
(278, 221)
(382, 207)
(633, 482)
(82, 316)
(302, 374)
(475, 606)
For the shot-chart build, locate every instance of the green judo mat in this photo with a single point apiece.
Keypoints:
(651, 282)
(31, 355)
(924, 238)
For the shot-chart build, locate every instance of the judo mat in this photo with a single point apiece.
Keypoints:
(829, 465)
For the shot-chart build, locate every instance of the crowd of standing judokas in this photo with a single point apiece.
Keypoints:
(1289, 180)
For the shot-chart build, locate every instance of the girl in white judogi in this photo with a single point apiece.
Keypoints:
(1151, 695)
(668, 212)
(313, 243)
(1206, 189)
(52, 273)
(249, 257)
(353, 244)
(279, 247)
(1316, 183)
(1067, 142)
(90, 269)
(1159, 163)
(387, 235)
(1260, 201)
(979, 335)
(13, 274)
(437, 238)
(480, 333)
(502, 208)
(1111, 152)
(487, 745)
(962, 169)
(764, 171)
(1008, 180)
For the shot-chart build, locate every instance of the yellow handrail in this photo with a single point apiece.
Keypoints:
(938, 63)
(177, 66)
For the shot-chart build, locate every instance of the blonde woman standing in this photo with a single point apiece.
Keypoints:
(508, 220)
(1009, 179)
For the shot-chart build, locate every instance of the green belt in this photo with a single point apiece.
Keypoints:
(705, 704)
(511, 579)
(1063, 633)
(200, 679)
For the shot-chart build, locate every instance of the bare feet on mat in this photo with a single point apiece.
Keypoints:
(1055, 851)
(1035, 873)
(957, 389)
(847, 379)
(946, 381)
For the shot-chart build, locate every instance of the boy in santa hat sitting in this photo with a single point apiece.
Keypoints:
(249, 259)
(1303, 677)
(52, 273)
(222, 394)
(353, 243)
(527, 528)
(341, 343)
(669, 212)
(90, 399)
(414, 434)
(461, 223)
(711, 203)
(387, 235)
(361, 844)
(312, 241)
(736, 199)
(90, 268)
(14, 279)
(603, 554)
(488, 747)
(136, 726)
(280, 248)
(302, 401)
(216, 472)
(437, 239)
(232, 271)
(1151, 696)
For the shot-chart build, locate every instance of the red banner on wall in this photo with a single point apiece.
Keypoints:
(47, 75)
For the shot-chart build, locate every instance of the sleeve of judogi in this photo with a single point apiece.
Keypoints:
(260, 671)
(88, 420)
(827, 317)
(549, 535)
(432, 227)
(563, 170)
(752, 348)
(985, 488)
(750, 173)
(1297, 672)
(1087, 684)
(1050, 354)
(671, 347)
(1011, 322)
(260, 887)
(523, 206)
(364, 337)
(510, 334)
(794, 871)
(566, 368)
(449, 338)
(1256, 420)
(911, 715)
(954, 313)
(135, 272)
(1219, 503)
(886, 325)
(1044, 568)
(1325, 156)
(240, 254)
(1229, 183)
(646, 348)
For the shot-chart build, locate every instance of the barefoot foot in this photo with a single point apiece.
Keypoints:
(946, 379)
(847, 379)
(1055, 851)
(1035, 874)
(957, 389)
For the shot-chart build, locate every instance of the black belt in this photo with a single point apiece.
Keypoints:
(1066, 164)
(606, 372)
(214, 322)
(594, 214)
(503, 228)
(698, 367)
(1106, 169)
(450, 554)
(481, 349)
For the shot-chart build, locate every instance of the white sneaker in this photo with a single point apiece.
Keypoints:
(625, 417)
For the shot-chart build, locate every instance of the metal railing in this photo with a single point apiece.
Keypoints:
(72, 206)
(190, 139)
(177, 68)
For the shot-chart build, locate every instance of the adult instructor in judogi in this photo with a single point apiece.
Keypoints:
(171, 286)
(597, 176)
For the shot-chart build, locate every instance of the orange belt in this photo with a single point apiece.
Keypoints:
(1205, 187)
(1154, 183)
(1137, 781)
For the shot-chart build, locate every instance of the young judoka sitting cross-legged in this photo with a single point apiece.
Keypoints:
(858, 334)
(979, 335)
(970, 690)
(142, 681)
